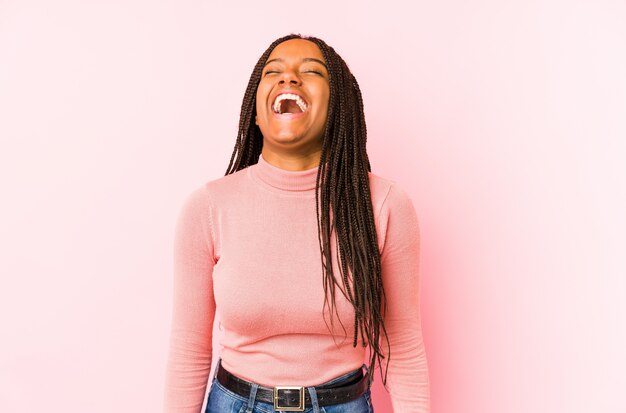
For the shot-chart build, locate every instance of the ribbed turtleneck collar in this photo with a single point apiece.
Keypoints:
(283, 179)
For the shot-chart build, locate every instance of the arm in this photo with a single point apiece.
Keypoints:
(190, 351)
(407, 378)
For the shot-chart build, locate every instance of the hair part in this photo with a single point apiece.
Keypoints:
(343, 186)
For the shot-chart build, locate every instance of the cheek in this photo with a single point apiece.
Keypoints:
(326, 101)
(261, 96)
(259, 100)
(326, 95)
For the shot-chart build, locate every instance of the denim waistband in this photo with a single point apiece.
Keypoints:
(344, 377)
(312, 390)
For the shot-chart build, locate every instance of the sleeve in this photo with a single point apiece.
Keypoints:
(407, 375)
(190, 347)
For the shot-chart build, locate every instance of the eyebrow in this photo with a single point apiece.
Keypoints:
(306, 59)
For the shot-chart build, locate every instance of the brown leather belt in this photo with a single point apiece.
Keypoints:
(296, 398)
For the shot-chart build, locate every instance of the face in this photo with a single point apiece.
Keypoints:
(292, 96)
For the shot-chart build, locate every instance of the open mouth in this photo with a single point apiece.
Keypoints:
(289, 103)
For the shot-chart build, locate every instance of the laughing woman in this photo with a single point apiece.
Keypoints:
(310, 258)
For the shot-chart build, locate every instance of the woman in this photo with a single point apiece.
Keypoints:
(297, 216)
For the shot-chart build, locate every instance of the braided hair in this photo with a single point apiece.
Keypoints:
(345, 188)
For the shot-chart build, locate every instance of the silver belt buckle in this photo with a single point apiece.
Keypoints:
(299, 408)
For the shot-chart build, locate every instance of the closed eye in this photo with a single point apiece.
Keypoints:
(305, 71)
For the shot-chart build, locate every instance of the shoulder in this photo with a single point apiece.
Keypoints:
(228, 183)
(387, 194)
(396, 218)
(211, 192)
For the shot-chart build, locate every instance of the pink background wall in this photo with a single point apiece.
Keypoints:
(505, 121)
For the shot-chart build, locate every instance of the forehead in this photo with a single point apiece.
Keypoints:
(296, 49)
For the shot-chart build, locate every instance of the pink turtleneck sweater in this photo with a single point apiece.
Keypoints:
(247, 245)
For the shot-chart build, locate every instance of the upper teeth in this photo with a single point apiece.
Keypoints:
(291, 96)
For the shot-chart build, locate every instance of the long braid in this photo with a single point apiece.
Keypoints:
(342, 193)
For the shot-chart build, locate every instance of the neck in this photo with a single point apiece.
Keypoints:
(292, 162)
(283, 179)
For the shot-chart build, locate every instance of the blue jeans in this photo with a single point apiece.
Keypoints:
(222, 400)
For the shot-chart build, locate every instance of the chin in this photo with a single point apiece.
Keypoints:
(287, 136)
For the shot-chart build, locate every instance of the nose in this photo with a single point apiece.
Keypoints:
(289, 76)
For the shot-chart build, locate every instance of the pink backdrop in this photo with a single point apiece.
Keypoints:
(505, 121)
